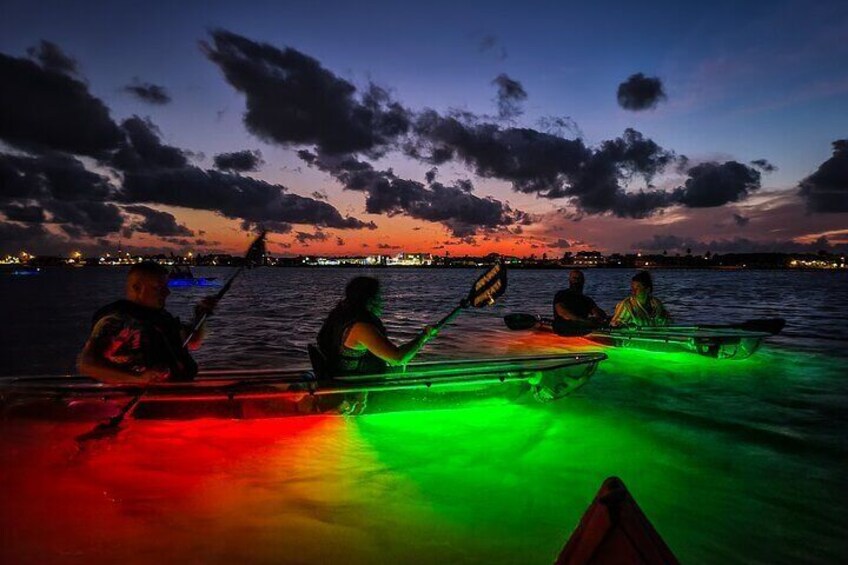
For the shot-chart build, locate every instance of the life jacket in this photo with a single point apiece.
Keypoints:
(162, 340)
(340, 359)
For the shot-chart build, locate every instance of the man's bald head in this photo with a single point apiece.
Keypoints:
(147, 285)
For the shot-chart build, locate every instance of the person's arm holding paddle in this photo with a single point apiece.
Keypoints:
(202, 311)
(366, 336)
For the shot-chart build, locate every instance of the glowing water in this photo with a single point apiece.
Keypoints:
(732, 461)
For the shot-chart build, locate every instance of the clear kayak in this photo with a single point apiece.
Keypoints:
(729, 341)
(270, 393)
(615, 530)
(720, 343)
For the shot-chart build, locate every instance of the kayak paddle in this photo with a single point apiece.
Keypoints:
(567, 328)
(254, 256)
(771, 326)
(484, 292)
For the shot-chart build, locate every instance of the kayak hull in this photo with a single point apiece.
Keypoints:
(615, 530)
(270, 393)
(715, 343)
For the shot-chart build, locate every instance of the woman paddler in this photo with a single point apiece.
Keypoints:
(353, 339)
(641, 308)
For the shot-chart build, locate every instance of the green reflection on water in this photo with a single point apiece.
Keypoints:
(731, 460)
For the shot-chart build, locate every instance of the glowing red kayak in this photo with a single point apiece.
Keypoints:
(614, 530)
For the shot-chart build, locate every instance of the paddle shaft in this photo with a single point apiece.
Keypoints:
(198, 322)
(453, 314)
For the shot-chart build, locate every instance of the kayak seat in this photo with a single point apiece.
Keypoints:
(318, 361)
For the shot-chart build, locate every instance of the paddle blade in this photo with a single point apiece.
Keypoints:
(768, 325)
(255, 255)
(101, 431)
(518, 322)
(488, 287)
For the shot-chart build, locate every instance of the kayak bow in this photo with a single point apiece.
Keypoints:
(615, 530)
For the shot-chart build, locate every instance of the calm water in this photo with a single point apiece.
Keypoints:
(733, 461)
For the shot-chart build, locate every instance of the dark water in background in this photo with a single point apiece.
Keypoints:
(733, 461)
(270, 315)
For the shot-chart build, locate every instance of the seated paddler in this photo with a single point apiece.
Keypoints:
(641, 308)
(573, 310)
(136, 340)
(353, 339)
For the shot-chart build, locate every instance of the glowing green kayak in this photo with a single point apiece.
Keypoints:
(269, 393)
(728, 341)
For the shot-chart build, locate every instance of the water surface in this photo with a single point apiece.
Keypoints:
(733, 461)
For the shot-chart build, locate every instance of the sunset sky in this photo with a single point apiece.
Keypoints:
(468, 127)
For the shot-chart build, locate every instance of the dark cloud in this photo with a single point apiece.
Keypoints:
(560, 244)
(741, 220)
(763, 165)
(490, 44)
(292, 99)
(596, 186)
(534, 162)
(305, 237)
(23, 213)
(714, 184)
(320, 195)
(52, 58)
(639, 92)
(233, 196)
(560, 126)
(340, 242)
(143, 150)
(157, 222)
(387, 246)
(430, 175)
(826, 190)
(548, 165)
(454, 206)
(50, 176)
(735, 245)
(63, 188)
(148, 92)
(511, 94)
(33, 238)
(160, 174)
(42, 108)
(667, 242)
(239, 161)
(94, 218)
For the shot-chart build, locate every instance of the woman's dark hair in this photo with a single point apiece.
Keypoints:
(360, 291)
(644, 277)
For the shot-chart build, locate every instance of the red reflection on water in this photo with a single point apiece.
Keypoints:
(122, 496)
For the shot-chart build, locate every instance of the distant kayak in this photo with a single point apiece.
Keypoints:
(615, 530)
(271, 393)
(728, 341)
(26, 271)
(198, 281)
(181, 276)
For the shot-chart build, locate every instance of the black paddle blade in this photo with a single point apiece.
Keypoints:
(517, 322)
(488, 287)
(101, 431)
(768, 325)
(255, 255)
